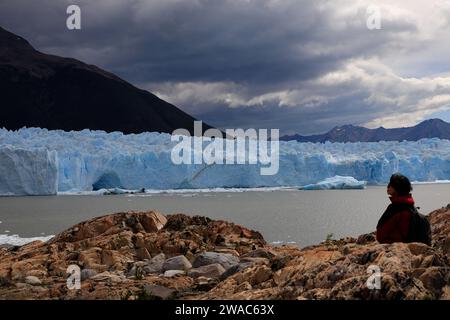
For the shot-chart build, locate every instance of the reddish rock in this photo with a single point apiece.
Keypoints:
(113, 224)
(109, 248)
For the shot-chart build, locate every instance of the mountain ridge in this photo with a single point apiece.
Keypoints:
(432, 128)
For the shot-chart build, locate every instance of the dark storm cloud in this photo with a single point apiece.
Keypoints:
(245, 49)
(293, 120)
(214, 40)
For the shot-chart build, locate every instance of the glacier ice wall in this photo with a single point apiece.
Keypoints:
(28, 171)
(40, 161)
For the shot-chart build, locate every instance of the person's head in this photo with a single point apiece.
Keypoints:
(399, 185)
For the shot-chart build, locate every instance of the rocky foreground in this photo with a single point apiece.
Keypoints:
(144, 255)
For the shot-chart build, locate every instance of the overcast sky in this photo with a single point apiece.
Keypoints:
(301, 66)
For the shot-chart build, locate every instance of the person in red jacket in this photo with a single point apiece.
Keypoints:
(393, 225)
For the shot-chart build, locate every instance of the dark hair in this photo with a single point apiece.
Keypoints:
(401, 184)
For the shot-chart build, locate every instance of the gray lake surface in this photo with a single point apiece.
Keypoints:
(286, 216)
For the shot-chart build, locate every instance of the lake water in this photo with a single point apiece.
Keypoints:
(285, 216)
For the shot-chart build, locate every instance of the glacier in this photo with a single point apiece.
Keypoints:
(36, 161)
(27, 171)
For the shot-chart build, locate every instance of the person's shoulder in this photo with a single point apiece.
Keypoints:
(391, 205)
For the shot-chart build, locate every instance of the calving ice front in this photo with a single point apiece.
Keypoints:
(37, 161)
(248, 147)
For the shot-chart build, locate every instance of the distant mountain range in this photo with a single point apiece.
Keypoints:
(47, 91)
(434, 128)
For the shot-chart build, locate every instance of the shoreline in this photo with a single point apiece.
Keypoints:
(145, 255)
(282, 216)
(149, 192)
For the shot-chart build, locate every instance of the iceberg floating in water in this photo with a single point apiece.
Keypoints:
(103, 192)
(15, 240)
(39, 161)
(337, 182)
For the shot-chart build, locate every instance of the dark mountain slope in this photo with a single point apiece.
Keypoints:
(40, 90)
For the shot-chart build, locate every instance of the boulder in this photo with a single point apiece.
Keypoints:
(109, 277)
(433, 279)
(366, 238)
(156, 292)
(209, 271)
(255, 260)
(87, 274)
(254, 275)
(173, 273)
(234, 269)
(224, 259)
(112, 224)
(261, 274)
(34, 281)
(155, 265)
(419, 248)
(259, 253)
(205, 284)
(152, 221)
(176, 263)
(227, 250)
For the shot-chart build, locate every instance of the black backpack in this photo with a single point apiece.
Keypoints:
(419, 227)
